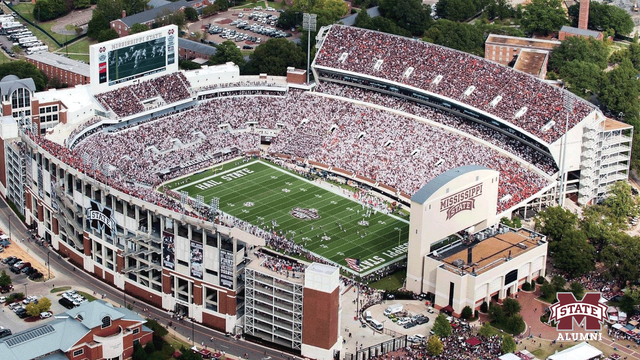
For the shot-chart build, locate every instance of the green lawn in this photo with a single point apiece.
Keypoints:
(79, 50)
(60, 289)
(391, 282)
(265, 195)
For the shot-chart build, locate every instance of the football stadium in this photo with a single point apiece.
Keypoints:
(210, 194)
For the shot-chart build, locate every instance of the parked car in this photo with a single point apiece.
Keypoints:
(6, 260)
(5, 333)
(45, 315)
(6, 289)
(26, 269)
(66, 303)
(417, 338)
(3, 299)
(35, 276)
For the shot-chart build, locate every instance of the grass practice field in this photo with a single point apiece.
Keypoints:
(326, 223)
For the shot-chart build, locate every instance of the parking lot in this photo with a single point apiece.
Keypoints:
(34, 291)
(249, 27)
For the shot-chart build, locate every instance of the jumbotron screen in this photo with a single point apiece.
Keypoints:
(141, 56)
(128, 62)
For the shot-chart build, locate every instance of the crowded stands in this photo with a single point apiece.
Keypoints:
(513, 96)
(388, 148)
(126, 101)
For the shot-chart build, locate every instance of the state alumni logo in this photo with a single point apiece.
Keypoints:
(589, 310)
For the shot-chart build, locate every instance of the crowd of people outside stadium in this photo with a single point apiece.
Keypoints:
(452, 73)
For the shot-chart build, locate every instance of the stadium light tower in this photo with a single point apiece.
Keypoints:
(568, 108)
(309, 23)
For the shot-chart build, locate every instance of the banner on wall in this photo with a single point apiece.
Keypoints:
(226, 269)
(196, 260)
(168, 251)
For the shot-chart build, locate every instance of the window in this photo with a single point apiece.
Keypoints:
(20, 98)
(183, 263)
(211, 272)
(78, 352)
(106, 322)
(136, 331)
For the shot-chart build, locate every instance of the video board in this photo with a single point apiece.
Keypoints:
(117, 62)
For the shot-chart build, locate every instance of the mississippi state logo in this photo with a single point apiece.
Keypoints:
(171, 31)
(103, 49)
(588, 310)
(101, 219)
(305, 214)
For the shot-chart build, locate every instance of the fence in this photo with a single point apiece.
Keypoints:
(8, 4)
(379, 349)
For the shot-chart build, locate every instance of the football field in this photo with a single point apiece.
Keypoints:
(325, 222)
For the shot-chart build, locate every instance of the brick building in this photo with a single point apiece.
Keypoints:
(568, 31)
(94, 330)
(148, 17)
(504, 49)
(189, 50)
(68, 71)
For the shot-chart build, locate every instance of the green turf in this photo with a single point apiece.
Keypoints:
(392, 282)
(270, 193)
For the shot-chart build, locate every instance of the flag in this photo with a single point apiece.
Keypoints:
(354, 264)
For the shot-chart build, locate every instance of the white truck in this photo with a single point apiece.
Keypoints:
(393, 309)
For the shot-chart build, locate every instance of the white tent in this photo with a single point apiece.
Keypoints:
(509, 356)
(582, 351)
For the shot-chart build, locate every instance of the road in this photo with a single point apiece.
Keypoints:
(65, 275)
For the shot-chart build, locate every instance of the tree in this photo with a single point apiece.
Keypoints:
(581, 78)
(138, 28)
(460, 36)
(441, 326)
(139, 353)
(289, 19)
(110, 9)
(167, 17)
(379, 23)
(484, 307)
(190, 14)
(511, 307)
(274, 56)
(81, 4)
(543, 16)
(573, 254)
(456, 10)
(98, 23)
(467, 313)
(487, 330)
(225, 52)
(23, 70)
(515, 324)
(599, 225)
(106, 35)
(548, 291)
(619, 91)
(496, 313)
(620, 257)
(5, 279)
(34, 309)
(603, 17)
(621, 201)
(508, 344)
(434, 346)
(555, 222)
(627, 304)
(410, 15)
(187, 354)
(158, 330)
(45, 10)
(223, 5)
(577, 48)
(577, 289)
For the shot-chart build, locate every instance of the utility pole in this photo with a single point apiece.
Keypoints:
(309, 23)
